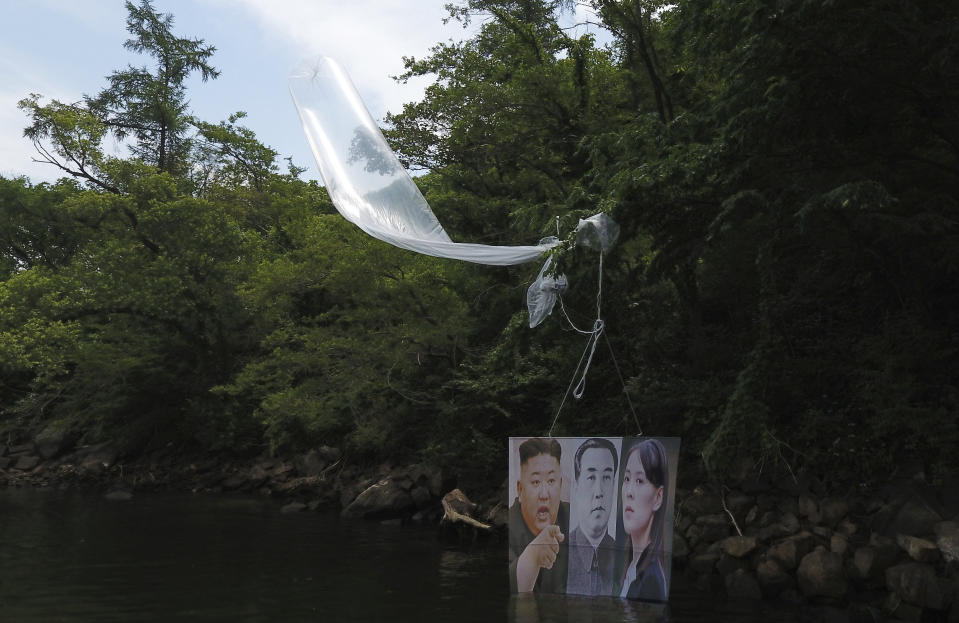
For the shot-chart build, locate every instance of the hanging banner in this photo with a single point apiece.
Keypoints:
(592, 515)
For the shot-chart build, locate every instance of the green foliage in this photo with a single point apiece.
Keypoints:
(782, 295)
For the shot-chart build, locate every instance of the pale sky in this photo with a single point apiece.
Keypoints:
(64, 49)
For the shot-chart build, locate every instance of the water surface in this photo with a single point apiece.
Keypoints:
(69, 556)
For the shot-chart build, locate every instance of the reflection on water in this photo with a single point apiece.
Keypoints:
(532, 608)
(71, 557)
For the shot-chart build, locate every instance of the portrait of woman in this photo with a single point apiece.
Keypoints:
(644, 490)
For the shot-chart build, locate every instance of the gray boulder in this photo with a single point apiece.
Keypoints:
(738, 546)
(914, 516)
(809, 508)
(701, 502)
(916, 583)
(26, 462)
(421, 496)
(714, 527)
(839, 544)
(947, 539)
(310, 464)
(54, 440)
(293, 507)
(96, 457)
(833, 510)
(870, 561)
(772, 577)
(789, 551)
(382, 500)
(820, 574)
(918, 549)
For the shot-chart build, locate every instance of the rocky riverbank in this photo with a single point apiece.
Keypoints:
(891, 554)
(885, 555)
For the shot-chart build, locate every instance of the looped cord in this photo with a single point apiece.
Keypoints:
(591, 347)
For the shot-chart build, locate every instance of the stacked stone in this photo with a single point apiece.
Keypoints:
(892, 558)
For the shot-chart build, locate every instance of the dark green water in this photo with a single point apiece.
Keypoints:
(66, 556)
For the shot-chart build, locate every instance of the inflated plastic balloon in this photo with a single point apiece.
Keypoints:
(366, 181)
(597, 232)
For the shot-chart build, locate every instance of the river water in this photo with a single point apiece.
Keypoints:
(68, 556)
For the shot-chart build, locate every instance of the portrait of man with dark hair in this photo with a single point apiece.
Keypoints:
(539, 520)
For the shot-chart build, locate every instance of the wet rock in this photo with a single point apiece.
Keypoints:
(26, 462)
(739, 503)
(947, 540)
(54, 440)
(788, 552)
(714, 527)
(704, 563)
(234, 481)
(738, 546)
(281, 471)
(918, 549)
(700, 502)
(119, 495)
(809, 508)
(820, 574)
(839, 544)
(293, 507)
(870, 561)
(384, 499)
(900, 610)
(680, 547)
(822, 532)
(772, 577)
(847, 527)
(752, 516)
(914, 517)
(5, 462)
(916, 583)
(17, 450)
(421, 497)
(741, 584)
(310, 464)
(96, 457)
(259, 473)
(833, 510)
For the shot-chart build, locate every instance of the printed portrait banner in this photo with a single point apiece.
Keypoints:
(592, 515)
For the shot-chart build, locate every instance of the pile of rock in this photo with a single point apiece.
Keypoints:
(892, 556)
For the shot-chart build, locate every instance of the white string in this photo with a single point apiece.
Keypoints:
(591, 346)
(598, 331)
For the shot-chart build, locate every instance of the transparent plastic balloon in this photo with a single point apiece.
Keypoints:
(366, 182)
(597, 232)
(542, 294)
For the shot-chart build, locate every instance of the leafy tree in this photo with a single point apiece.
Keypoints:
(147, 106)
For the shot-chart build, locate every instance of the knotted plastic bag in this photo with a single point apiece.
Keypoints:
(541, 295)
